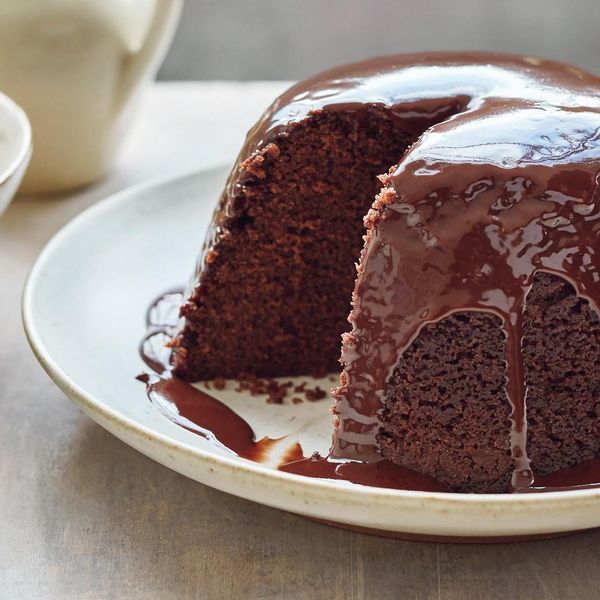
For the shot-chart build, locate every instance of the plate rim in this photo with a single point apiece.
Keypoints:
(105, 415)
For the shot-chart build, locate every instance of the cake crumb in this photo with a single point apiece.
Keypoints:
(277, 392)
(315, 394)
(219, 383)
(211, 256)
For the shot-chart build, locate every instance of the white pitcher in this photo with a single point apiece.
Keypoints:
(74, 66)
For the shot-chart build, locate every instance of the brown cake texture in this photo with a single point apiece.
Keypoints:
(445, 392)
(470, 349)
(561, 349)
(279, 282)
(442, 415)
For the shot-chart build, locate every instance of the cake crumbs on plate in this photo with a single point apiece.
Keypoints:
(277, 392)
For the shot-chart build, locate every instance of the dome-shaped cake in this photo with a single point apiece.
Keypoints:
(474, 320)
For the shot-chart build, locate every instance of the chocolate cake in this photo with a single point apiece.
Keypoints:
(474, 332)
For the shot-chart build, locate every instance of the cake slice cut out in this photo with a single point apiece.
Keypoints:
(273, 291)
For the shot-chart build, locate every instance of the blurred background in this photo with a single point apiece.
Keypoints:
(278, 39)
(78, 68)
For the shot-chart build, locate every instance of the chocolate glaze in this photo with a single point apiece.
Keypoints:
(583, 475)
(416, 90)
(382, 473)
(204, 415)
(201, 413)
(511, 168)
(182, 403)
(506, 187)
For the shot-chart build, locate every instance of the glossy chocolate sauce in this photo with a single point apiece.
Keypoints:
(202, 414)
(481, 202)
(511, 169)
(184, 404)
(381, 473)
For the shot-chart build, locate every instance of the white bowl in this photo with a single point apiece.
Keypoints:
(15, 148)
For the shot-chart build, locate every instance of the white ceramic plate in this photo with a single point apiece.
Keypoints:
(83, 310)
(15, 148)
